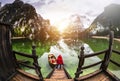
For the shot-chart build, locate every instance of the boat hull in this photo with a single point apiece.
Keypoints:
(52, 60)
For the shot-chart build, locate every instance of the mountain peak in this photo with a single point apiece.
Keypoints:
(113, 5)
(111, 15)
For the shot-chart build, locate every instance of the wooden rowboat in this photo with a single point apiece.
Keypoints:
(52, 60)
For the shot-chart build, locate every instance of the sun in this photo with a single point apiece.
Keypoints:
(62, 25)
(58, 20)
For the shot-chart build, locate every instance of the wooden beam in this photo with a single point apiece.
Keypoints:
(28, 74)
(68, 75)
(23, 54)
(112, 76)
(117, 64)
(23, 64)
(85, 67)
(95, 54)
(108, 54)
(88, 76)
(81, 62)
(116, 52)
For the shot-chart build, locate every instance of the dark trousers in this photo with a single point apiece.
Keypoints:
(59, 66)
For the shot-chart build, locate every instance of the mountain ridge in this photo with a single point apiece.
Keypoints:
(109, 19)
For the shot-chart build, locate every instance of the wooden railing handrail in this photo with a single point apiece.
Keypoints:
(91, 65)
(95, 54)
(117, 64)
(116, 52)
(104, 62)
(23, 64)
(68, 75)
(23, 54)
(88, 76)
(35, 61)
(50, 74)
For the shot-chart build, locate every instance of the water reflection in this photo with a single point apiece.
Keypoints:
(69, 54)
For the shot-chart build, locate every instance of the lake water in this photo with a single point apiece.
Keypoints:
(70, 58)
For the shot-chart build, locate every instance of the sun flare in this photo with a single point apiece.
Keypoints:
(62, 25)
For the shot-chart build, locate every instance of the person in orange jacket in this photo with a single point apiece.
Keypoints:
(59, 62)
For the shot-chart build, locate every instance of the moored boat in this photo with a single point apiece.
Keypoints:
(52, 60)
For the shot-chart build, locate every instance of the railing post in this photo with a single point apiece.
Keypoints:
(108, 54)
(80, 64)
(35, 63)
(15, 60)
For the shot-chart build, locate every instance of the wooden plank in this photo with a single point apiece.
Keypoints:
(27, 74)
(7, 64)
(95, 76)
(89, 75)
(23, 64)
(117, 64)
(58, 80)
(59, 74)
(20, 77)
(99, 77)
(24, 76)
(68, 75)
(95, 54)
(112, 76)
(23, 54)
(116, 52)
(50, 74)
(92, 65)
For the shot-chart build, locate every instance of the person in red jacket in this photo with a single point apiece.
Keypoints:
(59, 62)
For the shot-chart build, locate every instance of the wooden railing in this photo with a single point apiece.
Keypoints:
(114, 78)
(104, 63)
(50, 74)
(35, 65)
(116, 63)
(82, 59)
(67, 74)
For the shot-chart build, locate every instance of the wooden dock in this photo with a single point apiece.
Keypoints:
(59, 75)
(10, 66)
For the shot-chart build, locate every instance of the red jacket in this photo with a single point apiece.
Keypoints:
(59, 60)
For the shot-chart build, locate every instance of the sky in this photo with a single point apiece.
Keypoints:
(58, 11)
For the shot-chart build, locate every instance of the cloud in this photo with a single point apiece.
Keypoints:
(56, 10)
(6, 1)
(59, 9)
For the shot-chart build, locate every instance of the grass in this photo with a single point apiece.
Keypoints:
(101, 44)
(25, 46)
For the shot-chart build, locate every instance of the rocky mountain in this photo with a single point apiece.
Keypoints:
(75, 21)
(108, 20)
(26, 22)
(22, 16)
(75, 27)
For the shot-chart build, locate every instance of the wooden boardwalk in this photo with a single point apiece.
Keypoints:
(24, 76)
(99, 77)
(9, 64)
(59, 75)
